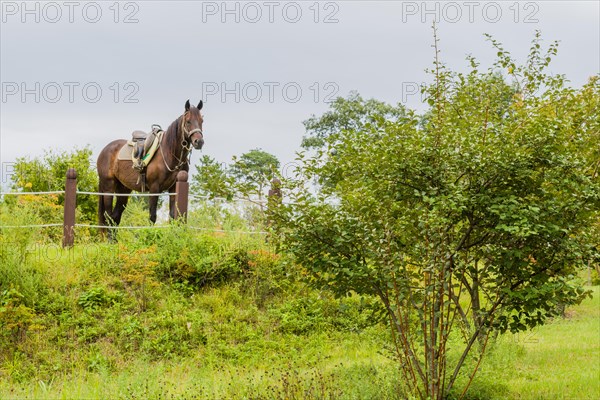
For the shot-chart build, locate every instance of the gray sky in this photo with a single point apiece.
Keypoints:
(77, 73)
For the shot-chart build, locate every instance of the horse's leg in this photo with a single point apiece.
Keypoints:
(105, 204)
(108, 179)
(172, 203)
(106, 218)
(117, 211)
(108, 208)
(153, 202)
(121, 203)
(101, 215)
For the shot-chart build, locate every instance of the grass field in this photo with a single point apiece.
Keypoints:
(110, 323)
(560, 360)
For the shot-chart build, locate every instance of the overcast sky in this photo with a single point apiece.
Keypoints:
(86, 73)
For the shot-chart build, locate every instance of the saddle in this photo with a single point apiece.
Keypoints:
(144, 146)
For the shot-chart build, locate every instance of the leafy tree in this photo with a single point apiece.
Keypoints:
(47, 173)
(351, 113)
(212, 179)
(253, 171)
(465, 221)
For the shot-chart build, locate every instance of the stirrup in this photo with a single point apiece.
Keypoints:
(138, 165)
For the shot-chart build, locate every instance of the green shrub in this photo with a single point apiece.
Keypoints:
(95, 298)
(15, 317)
(185, 256)
(19, 254)
(304, 315)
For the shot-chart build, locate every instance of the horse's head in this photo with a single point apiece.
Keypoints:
(192, 125)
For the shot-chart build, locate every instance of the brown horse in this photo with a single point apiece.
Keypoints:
(119, 176)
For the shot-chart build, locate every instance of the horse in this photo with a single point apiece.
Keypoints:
(118, 175)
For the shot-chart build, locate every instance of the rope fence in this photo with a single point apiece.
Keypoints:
(264, 202)
(127, 194)
(122, 226)
(197, 228)
(30, 193)
(224, 231)
(136, 194)
(181, 194)
(29, 226)
(224, 200)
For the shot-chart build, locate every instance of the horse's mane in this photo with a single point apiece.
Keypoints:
(172, 134)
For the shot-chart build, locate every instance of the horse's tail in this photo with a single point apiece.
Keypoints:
(101, 213)
(101, 217)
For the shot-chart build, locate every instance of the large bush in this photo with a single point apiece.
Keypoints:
(466, 220)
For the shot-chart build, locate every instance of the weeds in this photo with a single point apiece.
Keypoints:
(181, 314)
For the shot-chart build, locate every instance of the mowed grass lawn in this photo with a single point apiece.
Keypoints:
(560, 360)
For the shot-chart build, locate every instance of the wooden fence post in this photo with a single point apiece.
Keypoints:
(70, 203)
(273, 200)
(181, 195)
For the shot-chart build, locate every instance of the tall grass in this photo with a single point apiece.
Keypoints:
(217, 314)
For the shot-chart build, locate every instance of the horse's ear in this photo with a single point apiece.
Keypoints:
(187, 105)
(200, 105)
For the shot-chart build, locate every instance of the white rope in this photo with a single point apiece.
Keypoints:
(224, 231)
(128, 194)
(239, 200)
(24, 193)
(191, 196)
(82, 192)
(261, 202)
(168, 226)
(121, 227)
(28, 226)
(132, 227)
(223, 199)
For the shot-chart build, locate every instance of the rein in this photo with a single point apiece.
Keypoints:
(186, 146)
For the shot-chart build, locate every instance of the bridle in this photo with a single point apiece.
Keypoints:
(186, 142)
(186, 145)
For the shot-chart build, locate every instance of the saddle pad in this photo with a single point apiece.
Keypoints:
(125, 152)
